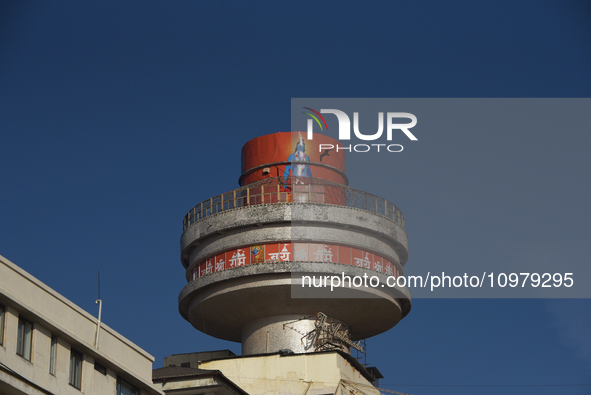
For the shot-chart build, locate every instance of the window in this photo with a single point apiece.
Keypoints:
(75, 368)
(2, 311)
(25, 338)
(185, 364)
(52, 354)
(100, 368)
(124, 388)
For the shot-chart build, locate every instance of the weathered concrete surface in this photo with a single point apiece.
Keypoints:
(311, 374)
(223, 303)
(284, 332)
(251, 304)
(293, 222)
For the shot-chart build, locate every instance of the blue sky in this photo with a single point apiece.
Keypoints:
(117, 117)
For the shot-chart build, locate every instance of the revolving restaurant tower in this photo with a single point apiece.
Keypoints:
(250, 254)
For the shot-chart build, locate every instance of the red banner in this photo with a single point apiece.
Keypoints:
(301, 252)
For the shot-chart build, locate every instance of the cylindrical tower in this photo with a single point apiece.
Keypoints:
(254, 256)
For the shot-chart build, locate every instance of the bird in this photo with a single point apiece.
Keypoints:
(324, 154)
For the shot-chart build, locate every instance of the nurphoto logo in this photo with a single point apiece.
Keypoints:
(345, 129)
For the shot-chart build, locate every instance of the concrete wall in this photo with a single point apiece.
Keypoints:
(52, 314)
(293, 222)
(222, 303)
(276, 374)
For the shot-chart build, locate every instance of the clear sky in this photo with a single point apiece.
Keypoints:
(117, 117)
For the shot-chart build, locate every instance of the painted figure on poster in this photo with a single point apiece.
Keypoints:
(258, 254)
(299, 169)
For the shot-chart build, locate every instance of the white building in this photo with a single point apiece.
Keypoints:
(48, 345)
(317, 373)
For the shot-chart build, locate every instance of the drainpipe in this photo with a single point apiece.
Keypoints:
(98, 323)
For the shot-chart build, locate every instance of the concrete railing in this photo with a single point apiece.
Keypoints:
(300, 190)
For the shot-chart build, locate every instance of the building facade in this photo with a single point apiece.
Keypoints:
(48, 345)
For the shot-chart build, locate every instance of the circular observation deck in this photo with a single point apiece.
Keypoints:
(297, 190)
(247, 250)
